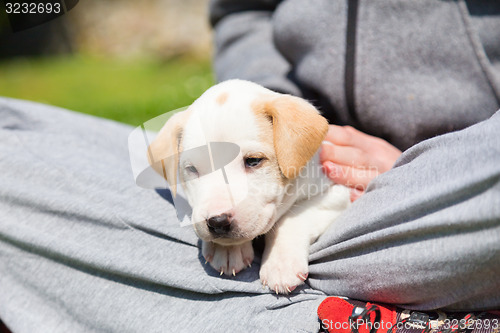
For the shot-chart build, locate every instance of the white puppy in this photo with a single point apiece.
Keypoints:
(266, 181)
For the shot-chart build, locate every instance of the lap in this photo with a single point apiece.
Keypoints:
(82, 248)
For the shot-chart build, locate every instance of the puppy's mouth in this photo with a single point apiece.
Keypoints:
(227, 239)
(230, 241)
(231, 238)
(240, 231)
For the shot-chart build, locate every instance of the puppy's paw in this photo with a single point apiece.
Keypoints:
(228, 260)
(283, 273)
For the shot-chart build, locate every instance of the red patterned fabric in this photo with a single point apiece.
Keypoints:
(334, 314)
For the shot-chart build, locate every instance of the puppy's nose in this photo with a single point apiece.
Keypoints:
(219, 224)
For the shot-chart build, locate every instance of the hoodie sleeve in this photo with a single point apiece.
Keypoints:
(244, 46)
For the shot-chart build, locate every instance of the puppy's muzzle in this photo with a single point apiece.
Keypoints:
(219, 224)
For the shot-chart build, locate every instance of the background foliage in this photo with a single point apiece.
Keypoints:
(124, 60)
(128, 91)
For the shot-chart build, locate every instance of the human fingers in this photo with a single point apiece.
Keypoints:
(348, 136)
(355, 194)
(345, 155)
(358, 178)
(377, 151)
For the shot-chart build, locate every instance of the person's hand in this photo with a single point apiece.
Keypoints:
(353, 158)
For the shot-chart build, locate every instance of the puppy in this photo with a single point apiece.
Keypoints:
(266, 180)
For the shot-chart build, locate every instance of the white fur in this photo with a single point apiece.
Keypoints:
(291, 215)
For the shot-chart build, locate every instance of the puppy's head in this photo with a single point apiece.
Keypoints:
(269, 138)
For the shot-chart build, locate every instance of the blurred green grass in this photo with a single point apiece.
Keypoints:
(127, 91)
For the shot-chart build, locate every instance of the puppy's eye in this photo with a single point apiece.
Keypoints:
(253, 162)
(191, 169)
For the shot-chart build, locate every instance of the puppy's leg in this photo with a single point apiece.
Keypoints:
(228, 260)
(285, 259)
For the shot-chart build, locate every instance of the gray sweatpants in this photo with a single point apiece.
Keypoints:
(83, 249)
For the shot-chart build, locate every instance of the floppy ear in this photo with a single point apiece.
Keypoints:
(163, 152)
(298, 130)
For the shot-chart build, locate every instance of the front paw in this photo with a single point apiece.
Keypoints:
(228, 259)
(283, 273)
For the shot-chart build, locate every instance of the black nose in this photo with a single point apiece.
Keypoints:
(219, 224)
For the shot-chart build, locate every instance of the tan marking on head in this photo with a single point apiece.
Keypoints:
(297, 130)
(222, 98)
(264, 124)
(265, 132)
(163, 152)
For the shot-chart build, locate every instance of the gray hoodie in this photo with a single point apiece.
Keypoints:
(403, 70)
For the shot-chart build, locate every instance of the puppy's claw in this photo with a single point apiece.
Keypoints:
(288, 289)
(221, 271)
(234, 273)
(303, 277)
(276, 289)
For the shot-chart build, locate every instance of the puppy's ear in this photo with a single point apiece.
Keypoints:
(163, 152)
(298, 130)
